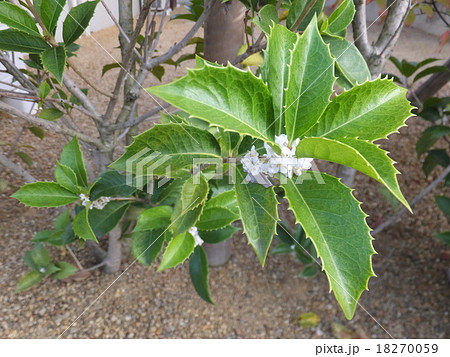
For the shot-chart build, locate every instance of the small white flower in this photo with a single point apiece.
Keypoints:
(42, 270)
(84, 199)
(194, 232)
(272, 163)
(100, 203)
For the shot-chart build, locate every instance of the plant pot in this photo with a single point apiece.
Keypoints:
(219, 253)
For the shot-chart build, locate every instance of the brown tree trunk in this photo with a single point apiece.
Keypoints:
(224, 35)
(224, 31)
(114, 255)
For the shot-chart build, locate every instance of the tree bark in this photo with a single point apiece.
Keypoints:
(114, 255)
(224, 31)
(16, 169)
(224, 35)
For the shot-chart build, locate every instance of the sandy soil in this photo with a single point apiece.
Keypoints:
(409, 298)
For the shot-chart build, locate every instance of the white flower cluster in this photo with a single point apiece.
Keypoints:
(99, 203)
(272, 163)
(194, 232)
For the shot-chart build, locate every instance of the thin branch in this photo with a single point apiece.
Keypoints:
(392, 26)
(32, 98)
(16, 141)
(95, 267)
(48, 125)
(416, 199)
(17, 87)
(153, 62)
(135, 91)
(16, 169)
(251, 50)
(359, 25)
(126, 62)
(15, 72)
(74, 257)
(440, 14)
(158, 34)
(85, 79)
(141, 118)
(116, 22)
(76, 91)
(149, 35)
(39, 20)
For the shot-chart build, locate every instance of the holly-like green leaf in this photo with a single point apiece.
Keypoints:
(50, 114)
(24, 157)
(349, 61)
(104, 220)
(44, 90)
(443, 203)
(258, 212)
(167, 146)
(266, 18)
(369, 111)
(81, 225)
(54, 61)
(194, 192)
(340, 18)
(334, 221)
(430, 136)
(225, 199)
(430, 70)
(111, 183)
(363, 156)
(216, 218)
(217, 236)
(38, 258)
(198, 270)
(29, 280)
(226, 97)
(77, 20)
(310, 82)
(57, 236)
(17, 18)
(146, 245)
(62, 233)
(37, 131)
(66, 178)
(444, 237)
(297, 9)
(275, 70)
(182, 220)
(177, 251)
(18, 41)
(154, 218)
(62, 220)
(53, 237)
(158, 72)
(110, 66)
(50, 11)
(72, 157)
(44, 194)
(65, 270)
(171, 193)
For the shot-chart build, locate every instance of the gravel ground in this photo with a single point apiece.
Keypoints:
(408, 299)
